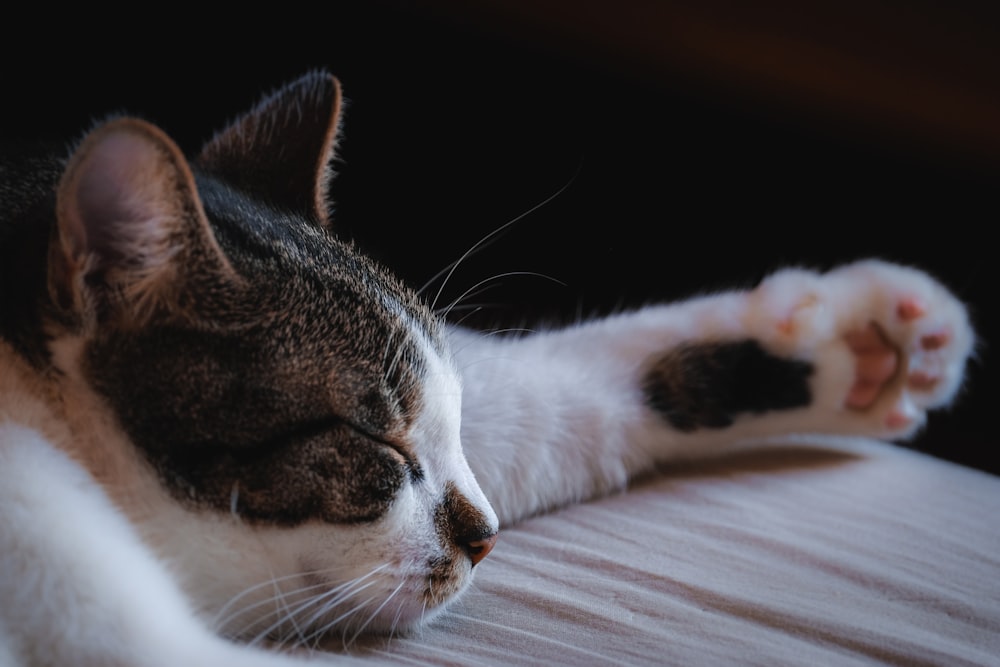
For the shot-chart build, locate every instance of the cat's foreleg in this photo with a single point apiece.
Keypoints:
(563, 415)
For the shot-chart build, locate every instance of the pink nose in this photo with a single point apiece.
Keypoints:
(479, 549)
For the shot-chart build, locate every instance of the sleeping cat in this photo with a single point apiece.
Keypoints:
(219, 422)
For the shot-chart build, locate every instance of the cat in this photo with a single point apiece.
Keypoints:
(220, 423)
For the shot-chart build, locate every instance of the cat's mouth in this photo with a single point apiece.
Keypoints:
(448, 577)
(389, 599)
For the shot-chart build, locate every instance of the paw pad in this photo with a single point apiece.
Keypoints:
(922, 381)
(876, 363)
(936, 340)
(789, 325)
(898, 420)
(910, 309)
(903, 414)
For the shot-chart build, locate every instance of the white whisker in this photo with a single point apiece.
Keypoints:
(329, 601)
(389, 347)
(472, 290)
(234, 496)
(221, 620)
(326, 604)
(326, 627)
(343, 590)
(500, 332)
(484, 242)
(397, 357)
(395, 620)
(473, 309)
(281, 607)
(375, 613)
(469, 294)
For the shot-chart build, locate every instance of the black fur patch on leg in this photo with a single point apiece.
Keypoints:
(707, 385)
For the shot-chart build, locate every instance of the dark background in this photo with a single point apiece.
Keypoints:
(679, 147)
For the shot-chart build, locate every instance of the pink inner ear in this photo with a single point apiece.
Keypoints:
(128, 207)
(116, 195)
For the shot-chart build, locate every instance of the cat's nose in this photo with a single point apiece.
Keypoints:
(464, 525)
(479, 549)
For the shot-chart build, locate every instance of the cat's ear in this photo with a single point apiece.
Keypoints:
(131, 229)
(281, 151)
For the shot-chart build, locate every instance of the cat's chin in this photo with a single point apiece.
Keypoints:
(399, 602)
(405, 618)
(327, 612)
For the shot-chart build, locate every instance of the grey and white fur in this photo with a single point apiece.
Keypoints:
(220, 422)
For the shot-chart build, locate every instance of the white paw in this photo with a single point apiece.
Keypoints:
(889, 342)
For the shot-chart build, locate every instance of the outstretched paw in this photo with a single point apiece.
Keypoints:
(906, 337)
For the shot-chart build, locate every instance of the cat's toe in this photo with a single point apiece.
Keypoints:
(903, 416)
(935, 364)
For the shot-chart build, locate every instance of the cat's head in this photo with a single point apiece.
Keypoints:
(294, 405)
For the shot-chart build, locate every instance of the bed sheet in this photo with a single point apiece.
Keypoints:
(826, 553)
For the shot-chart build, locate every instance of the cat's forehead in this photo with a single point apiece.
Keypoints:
(304, 274)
